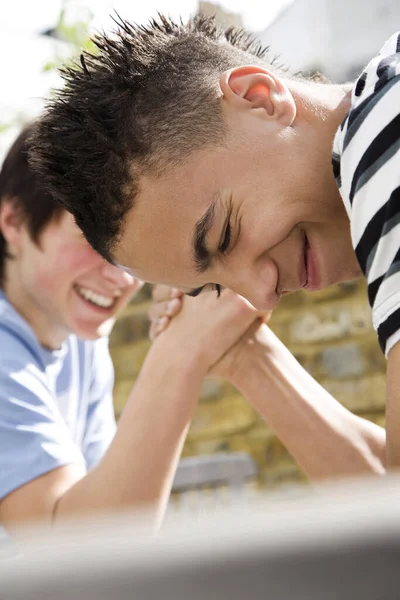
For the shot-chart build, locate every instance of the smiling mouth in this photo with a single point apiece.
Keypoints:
(313, 277)
(94, 298)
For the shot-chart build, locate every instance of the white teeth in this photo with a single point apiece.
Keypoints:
(97, 299)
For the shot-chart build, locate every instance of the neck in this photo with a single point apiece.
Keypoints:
(49, 334)
(322, 104)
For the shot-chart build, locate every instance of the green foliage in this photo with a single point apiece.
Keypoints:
(76, 34)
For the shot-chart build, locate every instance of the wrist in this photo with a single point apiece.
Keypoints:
(263, 358)
(247, 369)
(173, 351)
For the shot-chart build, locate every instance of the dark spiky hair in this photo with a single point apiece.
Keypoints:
(143, 102)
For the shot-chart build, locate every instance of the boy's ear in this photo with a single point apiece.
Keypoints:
(10, 222)
(259, 91)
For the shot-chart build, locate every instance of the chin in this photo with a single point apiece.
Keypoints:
(93, 332)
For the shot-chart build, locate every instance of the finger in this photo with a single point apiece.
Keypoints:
(153, 331)
(161, 292)
(164, 292)
(168, 308)
(174, 307)
(158, 327)
(158, 309)
(175, 293)
(162, 324)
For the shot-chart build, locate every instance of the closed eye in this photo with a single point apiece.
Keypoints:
(215, 287)
(224, 247)
(195, 292)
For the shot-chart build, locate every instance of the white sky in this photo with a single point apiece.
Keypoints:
(23, 54)
(36, 15)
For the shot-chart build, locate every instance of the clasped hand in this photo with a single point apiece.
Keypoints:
(215, 329)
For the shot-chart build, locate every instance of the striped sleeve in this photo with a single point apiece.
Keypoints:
(366, 161)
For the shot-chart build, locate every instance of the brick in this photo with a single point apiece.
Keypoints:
(373, 355)
(336, 292)
(363, 395)
(330, 323)
(285, 475)
(128, 359)
(310, 359)
(212, 389)
(228, 415)
(198, 447)
(144, 294)
(263, 445)
(122, 389)
(132, 326)
(343, 361)
(379, 418)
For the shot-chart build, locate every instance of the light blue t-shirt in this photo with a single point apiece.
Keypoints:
(55, 406)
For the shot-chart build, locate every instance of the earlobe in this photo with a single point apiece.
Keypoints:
(257, 89)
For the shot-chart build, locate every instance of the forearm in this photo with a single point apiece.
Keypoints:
(324, 438)
(138, 469)
(393, 409)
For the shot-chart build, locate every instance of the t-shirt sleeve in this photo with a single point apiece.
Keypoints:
(100, 423)
(34, 438)
(370, 179)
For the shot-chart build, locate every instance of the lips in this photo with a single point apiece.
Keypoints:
(313, 279)
(308, 272)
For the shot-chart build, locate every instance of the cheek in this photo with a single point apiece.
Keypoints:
(260, 232)
(78, 260)
(65, 266)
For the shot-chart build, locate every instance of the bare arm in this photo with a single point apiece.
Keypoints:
(393, 408)
(325, 439)
(138, 468)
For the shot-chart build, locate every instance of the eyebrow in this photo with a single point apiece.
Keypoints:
(201, 255)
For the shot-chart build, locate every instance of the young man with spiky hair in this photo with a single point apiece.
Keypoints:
(60, 452)
(190, 160)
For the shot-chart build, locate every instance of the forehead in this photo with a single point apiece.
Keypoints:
(156, 241)
(157, 235)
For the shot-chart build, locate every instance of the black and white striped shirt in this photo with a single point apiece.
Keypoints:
(366, 163)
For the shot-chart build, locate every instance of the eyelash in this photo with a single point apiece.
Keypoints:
(223, 248)
(216, 288)
(227, 239)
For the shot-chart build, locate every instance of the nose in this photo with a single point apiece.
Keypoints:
(116, 275)
(258, 284)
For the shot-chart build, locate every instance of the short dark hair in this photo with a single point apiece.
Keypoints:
(20, 185)
(144, 101)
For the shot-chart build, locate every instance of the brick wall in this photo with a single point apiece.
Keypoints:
(329, 332)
